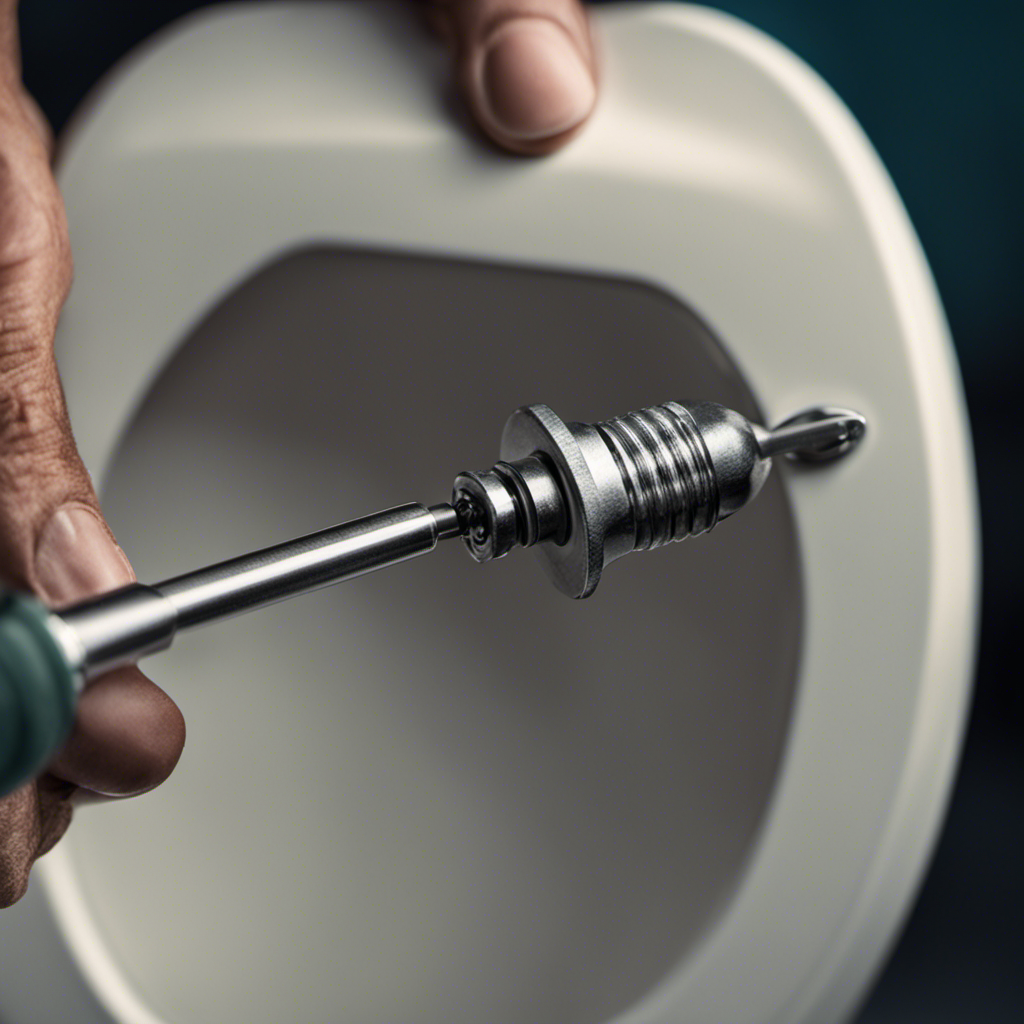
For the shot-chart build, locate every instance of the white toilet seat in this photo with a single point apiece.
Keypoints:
(806, 267)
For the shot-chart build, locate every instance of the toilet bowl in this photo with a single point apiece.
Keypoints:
(445, 793)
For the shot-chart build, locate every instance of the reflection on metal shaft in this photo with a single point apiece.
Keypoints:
(580, 494)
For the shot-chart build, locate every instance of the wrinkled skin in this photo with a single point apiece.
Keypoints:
(527, 71)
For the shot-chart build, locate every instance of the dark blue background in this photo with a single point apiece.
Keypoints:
(939, 87)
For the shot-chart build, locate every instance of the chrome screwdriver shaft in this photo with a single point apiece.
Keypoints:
(120, 627)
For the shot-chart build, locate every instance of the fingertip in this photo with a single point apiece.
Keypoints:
(530, 85)
(127, 738)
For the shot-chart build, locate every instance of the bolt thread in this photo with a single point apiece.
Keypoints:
(667, 472)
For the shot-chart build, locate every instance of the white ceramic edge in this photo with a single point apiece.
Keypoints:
(848, 960)
(87, 946)
(857, 952)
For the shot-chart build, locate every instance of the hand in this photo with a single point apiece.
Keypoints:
(53, 539)
(526, 69)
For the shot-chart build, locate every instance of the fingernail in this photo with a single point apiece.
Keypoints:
(76, 557)
(533, 80)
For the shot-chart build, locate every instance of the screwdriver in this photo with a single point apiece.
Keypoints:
(581, 494)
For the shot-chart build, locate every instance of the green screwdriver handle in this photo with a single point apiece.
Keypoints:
(37, 690)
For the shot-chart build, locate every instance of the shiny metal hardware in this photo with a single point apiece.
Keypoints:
(124, 625)
(590, 493)
(820, 434)
(581, 494)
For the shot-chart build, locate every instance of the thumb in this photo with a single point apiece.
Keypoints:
(128, 734)
(526, 67)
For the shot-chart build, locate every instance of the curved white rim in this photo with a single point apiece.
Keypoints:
(822, 962)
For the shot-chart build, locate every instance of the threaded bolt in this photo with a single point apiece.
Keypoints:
(593, 492)
(667, 473)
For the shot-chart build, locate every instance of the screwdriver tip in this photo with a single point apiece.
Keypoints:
(449, 522)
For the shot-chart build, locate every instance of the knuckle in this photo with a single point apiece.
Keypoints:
(32, 221)
(34, 436)
(35, 250)
(16, 422)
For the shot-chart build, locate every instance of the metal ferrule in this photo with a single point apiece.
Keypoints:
(120, 627)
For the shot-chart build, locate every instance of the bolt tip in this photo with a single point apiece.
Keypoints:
(817, 435)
